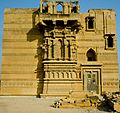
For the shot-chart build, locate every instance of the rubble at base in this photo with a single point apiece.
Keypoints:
(113, 100)
(108, 102)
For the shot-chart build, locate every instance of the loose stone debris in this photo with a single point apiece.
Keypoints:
(113, 100)
(108, 101)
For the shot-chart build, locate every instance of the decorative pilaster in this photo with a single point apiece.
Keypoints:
(66, 50)
(65, 8)
(46, 49)
(50, 9)
(49, 49)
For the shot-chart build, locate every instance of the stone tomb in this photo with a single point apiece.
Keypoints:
(56, 49)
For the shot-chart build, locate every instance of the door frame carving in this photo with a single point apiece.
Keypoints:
(92, 68)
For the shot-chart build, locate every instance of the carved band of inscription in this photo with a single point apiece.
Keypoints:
(110, 83)
(18, 84)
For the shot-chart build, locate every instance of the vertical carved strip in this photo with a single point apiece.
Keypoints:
(46, 49)
(52, 48)
(69, 50)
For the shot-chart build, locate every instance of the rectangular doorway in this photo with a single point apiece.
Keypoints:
(92, 81)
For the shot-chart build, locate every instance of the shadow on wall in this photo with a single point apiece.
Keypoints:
(37, 33)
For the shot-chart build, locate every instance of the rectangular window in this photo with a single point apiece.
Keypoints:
(109, 41)
(90, 23)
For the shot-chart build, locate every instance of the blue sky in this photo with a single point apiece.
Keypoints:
(84, 6)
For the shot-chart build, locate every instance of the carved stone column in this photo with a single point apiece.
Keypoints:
(46, 74)
(49, 49)
(71, 50)
(66, 49)
(63, 49)
(65, 8)
(57, 49)
(73, 53)
(41, 6)
(54, 8)
(50, 9)
(46, 49)
(69, 9)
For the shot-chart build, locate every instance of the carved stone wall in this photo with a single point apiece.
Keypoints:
(49, 52)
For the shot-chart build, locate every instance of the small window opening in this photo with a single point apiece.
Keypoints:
(89, 75)
(59, 8)
(90, 23)
(59, 23)
(44, 7)
(91, 55)
(74, 8)
(110, 41)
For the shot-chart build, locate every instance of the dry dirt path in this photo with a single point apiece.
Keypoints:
(10, 104)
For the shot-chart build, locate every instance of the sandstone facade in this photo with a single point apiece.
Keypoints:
(55, 51)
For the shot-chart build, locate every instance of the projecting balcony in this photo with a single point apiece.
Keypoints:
(60, 28)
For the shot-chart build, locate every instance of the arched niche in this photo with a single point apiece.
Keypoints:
(110, 41)
(90, 23)
(74, 8)
(59, 8)
(44, 7)
(91, 55)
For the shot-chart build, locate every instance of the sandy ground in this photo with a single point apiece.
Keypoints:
(10, 104)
